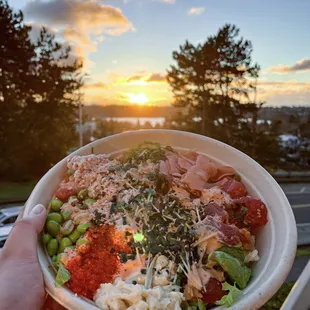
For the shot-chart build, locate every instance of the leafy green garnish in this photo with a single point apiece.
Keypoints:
(201, 305)
(150, 194)
(233, 295)
(63, 275)
(236, 270)
(180, 278)
(143, 152)
(236, 252)
(194, 305)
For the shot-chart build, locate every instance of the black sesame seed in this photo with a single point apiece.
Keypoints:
(134, 282)
(143, 271)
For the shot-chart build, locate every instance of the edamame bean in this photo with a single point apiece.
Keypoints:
(66, 215)
(46, 238)
(53, 228)
(58, 257)
(83, 227)
(67, 228)
(70, 172)
(54, 258)
(82, 194)
(57, 261)
(56, 204)
(88, 202)
(75, 235)
(65, 242)
(55, 217)
(52, 247)
(82, 241)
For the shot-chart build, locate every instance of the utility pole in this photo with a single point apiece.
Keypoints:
(81, 120)
(204, 117)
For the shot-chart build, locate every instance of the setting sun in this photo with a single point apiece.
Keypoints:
(139, 98)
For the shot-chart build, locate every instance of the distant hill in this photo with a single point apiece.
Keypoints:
(98, 111)
(284, 113)
(267, 113)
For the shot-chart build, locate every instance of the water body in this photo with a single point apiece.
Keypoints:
(138, 120)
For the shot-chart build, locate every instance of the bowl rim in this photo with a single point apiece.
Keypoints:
(279, 273)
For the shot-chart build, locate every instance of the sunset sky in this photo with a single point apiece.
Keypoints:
(127, 44)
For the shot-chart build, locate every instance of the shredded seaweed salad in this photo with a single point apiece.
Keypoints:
(153, 228)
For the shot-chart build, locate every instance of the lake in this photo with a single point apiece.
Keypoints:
(138, 120)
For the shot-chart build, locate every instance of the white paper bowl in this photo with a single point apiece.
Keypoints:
(276, 243)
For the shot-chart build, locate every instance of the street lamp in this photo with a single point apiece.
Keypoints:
(81, 122)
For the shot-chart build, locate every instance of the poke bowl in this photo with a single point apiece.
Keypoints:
(162, 219)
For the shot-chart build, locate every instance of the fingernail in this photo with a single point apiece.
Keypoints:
(37, 210)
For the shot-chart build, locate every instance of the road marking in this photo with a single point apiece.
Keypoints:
(297, 193)
(307, 205)
(303, 189)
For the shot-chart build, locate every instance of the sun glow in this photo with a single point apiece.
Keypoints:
(140, 98)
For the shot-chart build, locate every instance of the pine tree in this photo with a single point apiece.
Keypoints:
(57, 91)
(16, 63)
(216, 83)
(39, 89)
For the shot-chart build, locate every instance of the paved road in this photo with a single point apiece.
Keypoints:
(299, 200)
(298, 195)
(296, 188)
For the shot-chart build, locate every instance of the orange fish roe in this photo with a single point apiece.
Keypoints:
(95, 264)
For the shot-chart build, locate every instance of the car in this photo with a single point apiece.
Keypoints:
(9, 215)
(4, 233)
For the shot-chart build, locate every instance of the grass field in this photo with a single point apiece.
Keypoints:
(303, 252)
(10, 191)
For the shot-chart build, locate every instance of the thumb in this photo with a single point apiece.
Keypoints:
(22, 241)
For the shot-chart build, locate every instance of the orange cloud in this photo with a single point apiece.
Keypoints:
(301, 65)
(135, 78)
(155, 77)
(95, 86)
(82, 23)
(76, 36)
(284, 92)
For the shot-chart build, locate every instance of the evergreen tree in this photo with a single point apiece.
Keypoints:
(16, 67)
(58, 81)
(39, 89)
(216, 83)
